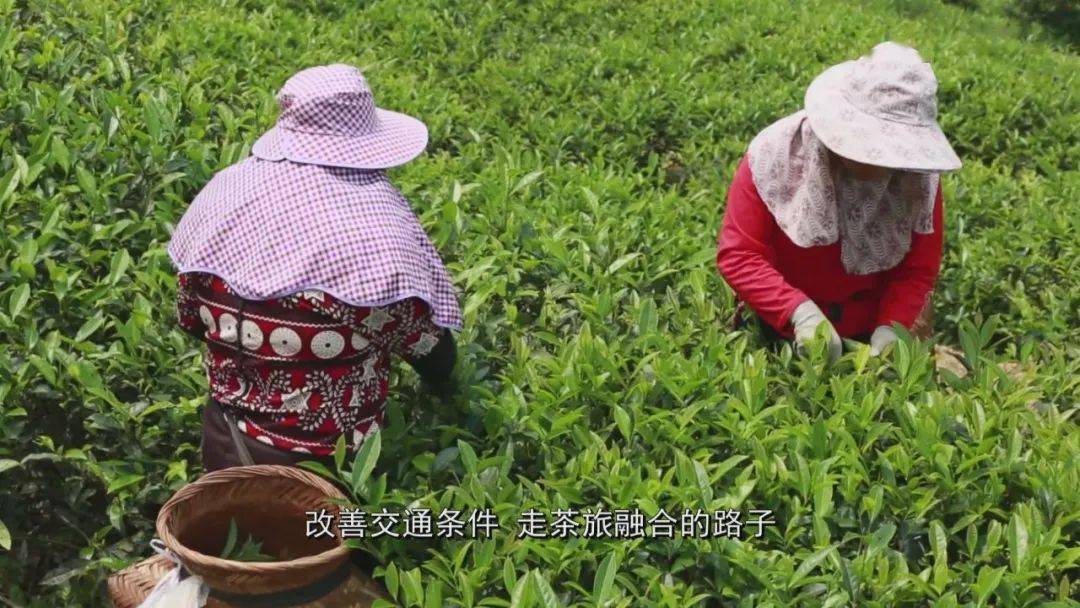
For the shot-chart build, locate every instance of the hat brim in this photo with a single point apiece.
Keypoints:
(398, 139)
(848, 131)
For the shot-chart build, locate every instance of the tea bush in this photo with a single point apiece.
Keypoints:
(574, 183)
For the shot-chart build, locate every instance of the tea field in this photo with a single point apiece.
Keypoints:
(574, 183)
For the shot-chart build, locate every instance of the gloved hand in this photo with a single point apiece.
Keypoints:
(882, 337)
(805, 320)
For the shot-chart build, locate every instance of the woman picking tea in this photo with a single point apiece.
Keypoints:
(834, 216)
(304, 270)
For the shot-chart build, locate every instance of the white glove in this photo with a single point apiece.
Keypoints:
(805, 320)
(882, 337)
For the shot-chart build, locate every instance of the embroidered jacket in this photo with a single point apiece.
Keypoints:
(301, 370)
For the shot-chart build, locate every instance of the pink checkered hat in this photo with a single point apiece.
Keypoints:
(328, 117)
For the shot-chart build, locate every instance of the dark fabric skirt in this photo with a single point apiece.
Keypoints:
(222, 448)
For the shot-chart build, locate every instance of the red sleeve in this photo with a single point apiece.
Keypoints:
(909, 284)
(745, 257)
(405, 328)
(416, 333)
(187, 304)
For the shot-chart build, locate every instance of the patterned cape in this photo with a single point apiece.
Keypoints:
(275, 228)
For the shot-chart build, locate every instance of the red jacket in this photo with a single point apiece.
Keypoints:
(773, 275)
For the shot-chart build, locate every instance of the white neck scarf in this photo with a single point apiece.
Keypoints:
(816, 202)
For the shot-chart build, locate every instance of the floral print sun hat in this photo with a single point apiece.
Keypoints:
(881, 110)
(816, 202)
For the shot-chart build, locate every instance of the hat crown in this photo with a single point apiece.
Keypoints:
(328, 100)
(894, 83)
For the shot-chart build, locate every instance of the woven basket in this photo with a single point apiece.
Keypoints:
(266, 501)
(129, 587)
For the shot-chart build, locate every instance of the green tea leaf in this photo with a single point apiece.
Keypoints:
(522, 594)
(60, 153)
(18, 299)
(87, 182)
(544, 592)
(622, 261)
(5, 537)
(44, 368)
(366, 458)
(445, 458)
(622, 420)
(412, 587)
(647, 317)
(509, 574)
(938, 543)
(1018, 542)
(89, 327)
(605, 578)
(808, 564)
(987, 583)
(390, 576)
(433, 595)
(230, 540)
(124, 481)
(119, 264)
(317, 467)
(250, 550)
(881, 537)
(524, 182)
(339, 453)
(8, 185)
(468, 456)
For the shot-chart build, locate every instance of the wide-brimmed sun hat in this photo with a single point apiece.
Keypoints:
(328, 117)
(881, 110)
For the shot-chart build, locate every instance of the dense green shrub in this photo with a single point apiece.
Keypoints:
(574, 182)
(1061, 17)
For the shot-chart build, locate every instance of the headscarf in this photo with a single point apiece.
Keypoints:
(816, 202)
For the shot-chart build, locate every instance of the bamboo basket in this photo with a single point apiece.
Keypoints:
(129, 587)
(267, 501)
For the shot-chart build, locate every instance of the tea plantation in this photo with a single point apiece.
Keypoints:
(574, 183)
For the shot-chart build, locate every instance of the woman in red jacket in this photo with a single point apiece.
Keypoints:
(835, 213)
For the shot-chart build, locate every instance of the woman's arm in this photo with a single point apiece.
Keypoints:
(436, 368)
(187, 305)
(426, 347)
(909, 283)
(745, 257)
(405, 328)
